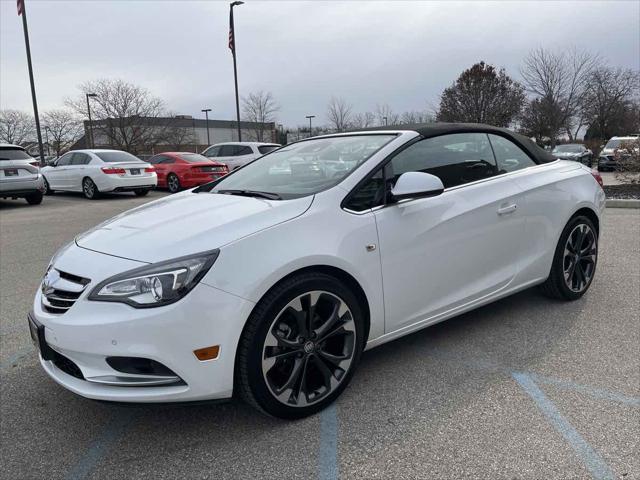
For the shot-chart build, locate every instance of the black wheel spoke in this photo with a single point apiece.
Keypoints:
(330, 322)
(326, 373)
(294, 376)
(333, 359)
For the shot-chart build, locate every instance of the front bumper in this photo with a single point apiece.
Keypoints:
(90, 332)
(607, 163)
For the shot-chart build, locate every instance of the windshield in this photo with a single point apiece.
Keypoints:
(195, 158)
(568, 148)
(113, 157)
(14, 154)
(304, 168)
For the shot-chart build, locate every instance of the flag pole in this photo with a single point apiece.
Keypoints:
(22, 11)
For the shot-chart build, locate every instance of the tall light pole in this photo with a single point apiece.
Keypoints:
(92, 95)
(310, 117)
(206, 114)
(22, 11)
(232, 46)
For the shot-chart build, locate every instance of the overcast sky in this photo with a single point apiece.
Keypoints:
(400, 53)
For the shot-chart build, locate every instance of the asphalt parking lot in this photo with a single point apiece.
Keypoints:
(524, 388)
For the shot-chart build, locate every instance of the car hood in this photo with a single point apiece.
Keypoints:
(187, 223)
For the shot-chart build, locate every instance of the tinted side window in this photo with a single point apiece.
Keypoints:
(509, 156)
(244, 150)
(227, 150)
(168, 160)
(79, 159)
(155, 159)
(456, 159)
(368, 195)
(212, 152)
(64, 160)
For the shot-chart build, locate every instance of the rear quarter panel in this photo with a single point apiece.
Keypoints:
(553, 193)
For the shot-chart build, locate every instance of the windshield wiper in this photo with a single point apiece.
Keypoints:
(251, 193)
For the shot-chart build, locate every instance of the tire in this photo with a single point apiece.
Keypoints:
(47, 187)
(575, 257)
(335, 341)
(34, 198)
(173, 183)
(141, 192)
(89, 189)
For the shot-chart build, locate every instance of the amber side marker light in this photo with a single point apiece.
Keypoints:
(207, 353)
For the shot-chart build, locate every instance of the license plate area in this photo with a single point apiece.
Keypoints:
(10, 172)
(135, 171)
(37, 336)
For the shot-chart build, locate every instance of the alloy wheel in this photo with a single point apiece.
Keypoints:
(579, 260)
(173, 183)
(309, 348)
(88, 188)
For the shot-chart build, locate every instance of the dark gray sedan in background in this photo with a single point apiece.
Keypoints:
(574, 151)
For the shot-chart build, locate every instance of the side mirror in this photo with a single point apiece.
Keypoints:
(417, 185)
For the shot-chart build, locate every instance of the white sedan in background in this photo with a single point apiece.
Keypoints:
(270, 282)
(238, 154)
(93, 172)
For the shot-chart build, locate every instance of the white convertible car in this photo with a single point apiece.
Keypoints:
(93, 172)
(271, 281)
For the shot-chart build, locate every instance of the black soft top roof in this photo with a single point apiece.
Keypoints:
(428, 130)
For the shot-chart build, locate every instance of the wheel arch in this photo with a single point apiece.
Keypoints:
(588, 212)
(341, 275)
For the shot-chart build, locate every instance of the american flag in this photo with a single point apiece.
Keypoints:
(231, 45)
(20, 4)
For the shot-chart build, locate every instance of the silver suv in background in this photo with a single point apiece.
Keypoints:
(19, 175)
(238, 154)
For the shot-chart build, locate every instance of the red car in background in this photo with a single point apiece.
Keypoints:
(177, 170)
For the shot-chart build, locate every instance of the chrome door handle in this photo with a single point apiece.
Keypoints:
(508, 209)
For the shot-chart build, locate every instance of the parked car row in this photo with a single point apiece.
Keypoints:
(96, 171)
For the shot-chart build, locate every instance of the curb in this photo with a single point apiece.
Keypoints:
(622, 203)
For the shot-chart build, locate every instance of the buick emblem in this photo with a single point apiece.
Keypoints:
(49, 281)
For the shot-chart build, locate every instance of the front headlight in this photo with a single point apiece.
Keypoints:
(156, 284)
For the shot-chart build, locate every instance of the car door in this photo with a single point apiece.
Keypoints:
(76, 171)
(161, 168)
(56, 176)
(443, 253)
(227, 155)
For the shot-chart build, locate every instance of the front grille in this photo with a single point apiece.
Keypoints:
(60, 290)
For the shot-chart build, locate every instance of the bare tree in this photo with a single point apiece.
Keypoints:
(63, 128)
(339, 113)
(386, 115)
(560, 78)
(125, 114)
(259, 107)
(413, 117)
(363, 120)
(177, 137)
(610, 103)
(16, 126)
(482, 94)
